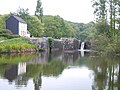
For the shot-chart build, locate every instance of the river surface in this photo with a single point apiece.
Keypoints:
(59, 71)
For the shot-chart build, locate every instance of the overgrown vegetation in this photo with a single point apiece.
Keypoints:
(51, 43)
(107, 36)
(84, 32)
(15, 45)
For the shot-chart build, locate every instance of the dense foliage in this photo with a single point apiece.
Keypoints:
(57, 27)
(108, 11)
(83, 31)
(2, 21)
(39, 10)
(107, 36)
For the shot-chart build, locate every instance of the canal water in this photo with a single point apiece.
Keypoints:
(59, 71)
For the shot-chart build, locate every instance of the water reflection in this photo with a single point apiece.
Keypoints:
(60, 71)
(15, 70)
(106, 73)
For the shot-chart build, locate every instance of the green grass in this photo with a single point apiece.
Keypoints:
(15, 41)
(2, 38)
(17, 44)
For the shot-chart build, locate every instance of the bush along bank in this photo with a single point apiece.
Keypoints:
(17, 45)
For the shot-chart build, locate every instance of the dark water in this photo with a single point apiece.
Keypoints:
(59, 71)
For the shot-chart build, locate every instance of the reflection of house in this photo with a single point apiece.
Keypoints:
(21, 68)
(17, 26)
(14, 71)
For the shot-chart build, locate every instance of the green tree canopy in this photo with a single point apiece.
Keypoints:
(2, 21)
(83, 31)
(35, 27)
(56, 27)
(39, 10)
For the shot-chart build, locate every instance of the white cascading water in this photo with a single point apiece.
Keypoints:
(82, 45)
(82, 48)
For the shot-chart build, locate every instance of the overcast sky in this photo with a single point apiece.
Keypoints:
(71, 10)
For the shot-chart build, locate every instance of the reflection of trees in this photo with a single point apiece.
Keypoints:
(106, 72)
(14, 59)
(53, 68)
(119, 78)
(22, 80)
(34, 71)
(70, 57)
(37, 82)
(50, 67)
(3, 67)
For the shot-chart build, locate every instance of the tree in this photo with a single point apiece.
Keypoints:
(21, 12)
(2, 21)
(56, 27)
(101, 8)
(1, 24)
(36, 28)
(51, 44)
(39, 10)
(114, 13)
(101, 14)
(83, 31)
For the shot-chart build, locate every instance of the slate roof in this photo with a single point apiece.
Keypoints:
(19, 19)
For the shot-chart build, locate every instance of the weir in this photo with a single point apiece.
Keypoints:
(82, 45)
(65, 44)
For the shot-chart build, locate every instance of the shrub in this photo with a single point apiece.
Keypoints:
(5, 31)
(105, 45)
(51, 42)
(9, 36)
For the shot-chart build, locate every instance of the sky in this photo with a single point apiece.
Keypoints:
(71, 10)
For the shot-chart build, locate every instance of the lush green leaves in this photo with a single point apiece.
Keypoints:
(35, 26)
(2, 21)
(39, 10)
(84, 31)
(56, 27)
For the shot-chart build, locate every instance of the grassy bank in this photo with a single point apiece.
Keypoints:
(16, 45)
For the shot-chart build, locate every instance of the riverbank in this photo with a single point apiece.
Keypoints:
(16, 45)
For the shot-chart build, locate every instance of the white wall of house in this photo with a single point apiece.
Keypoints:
(28, 34)
(22, 29)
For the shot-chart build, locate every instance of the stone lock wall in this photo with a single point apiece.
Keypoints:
(70, 44)
(40, 42)
(65, 44)
(58, 45)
